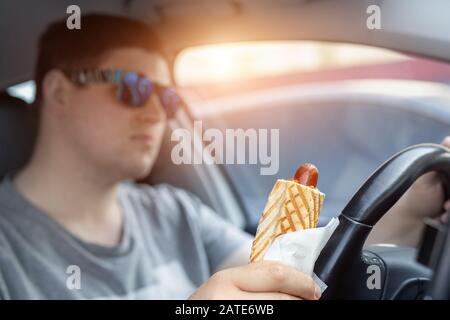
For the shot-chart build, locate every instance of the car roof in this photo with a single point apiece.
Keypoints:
(412, 26)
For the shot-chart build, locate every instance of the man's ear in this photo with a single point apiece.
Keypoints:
(56, 88)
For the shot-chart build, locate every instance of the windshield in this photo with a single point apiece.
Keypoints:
(345, 108)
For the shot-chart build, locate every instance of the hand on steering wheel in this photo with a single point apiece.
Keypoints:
(403, 223)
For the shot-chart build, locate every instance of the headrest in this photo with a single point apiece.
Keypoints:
(18, 130)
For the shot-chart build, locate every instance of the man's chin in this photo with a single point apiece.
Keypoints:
(139, 171)
(142, 176)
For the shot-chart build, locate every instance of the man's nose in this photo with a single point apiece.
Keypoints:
(151, 112)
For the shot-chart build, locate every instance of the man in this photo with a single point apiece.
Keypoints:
(74, 225)
(73, 207)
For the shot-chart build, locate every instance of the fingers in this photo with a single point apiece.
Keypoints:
(446, 142)
(266, 296)
(271, 276)
(447, 205)
(431, 178)
(444, 218)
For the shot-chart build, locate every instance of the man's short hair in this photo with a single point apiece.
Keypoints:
(62, 48)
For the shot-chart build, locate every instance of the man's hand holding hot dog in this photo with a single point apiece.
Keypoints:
(403, 224)
(270, 279)
(259, 281)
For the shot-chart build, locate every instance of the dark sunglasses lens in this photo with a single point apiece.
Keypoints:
(136, 90)
(171, 101)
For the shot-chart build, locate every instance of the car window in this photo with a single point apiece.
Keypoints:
(346, 108)
(24, 90)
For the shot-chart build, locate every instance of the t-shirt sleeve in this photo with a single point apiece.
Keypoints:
(220, 237)
(3, 289)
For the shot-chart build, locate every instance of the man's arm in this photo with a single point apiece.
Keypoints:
(403, 223)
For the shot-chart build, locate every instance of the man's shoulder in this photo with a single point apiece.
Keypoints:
(6, 211)
(9, 202)
(14, 218)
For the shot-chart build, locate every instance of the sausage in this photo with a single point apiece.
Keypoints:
(307, 174)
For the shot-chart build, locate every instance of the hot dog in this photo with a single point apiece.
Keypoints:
(292, 205)
(307, 174)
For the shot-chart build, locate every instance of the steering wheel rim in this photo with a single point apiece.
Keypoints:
(375, 197)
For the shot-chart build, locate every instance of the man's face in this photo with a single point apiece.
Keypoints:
(123, 140)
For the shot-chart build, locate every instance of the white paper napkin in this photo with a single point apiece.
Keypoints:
(301, 249)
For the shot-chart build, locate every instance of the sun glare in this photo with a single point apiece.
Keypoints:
(239, 61)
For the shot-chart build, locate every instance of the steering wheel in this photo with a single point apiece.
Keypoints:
(377, 272)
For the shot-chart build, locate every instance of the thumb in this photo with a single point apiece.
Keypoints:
(446, 142)
(447, 205)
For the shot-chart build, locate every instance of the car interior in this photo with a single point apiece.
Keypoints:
(387, 119)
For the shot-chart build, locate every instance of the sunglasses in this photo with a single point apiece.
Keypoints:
(134, 89)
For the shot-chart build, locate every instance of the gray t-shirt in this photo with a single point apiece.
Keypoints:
(170, 245)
